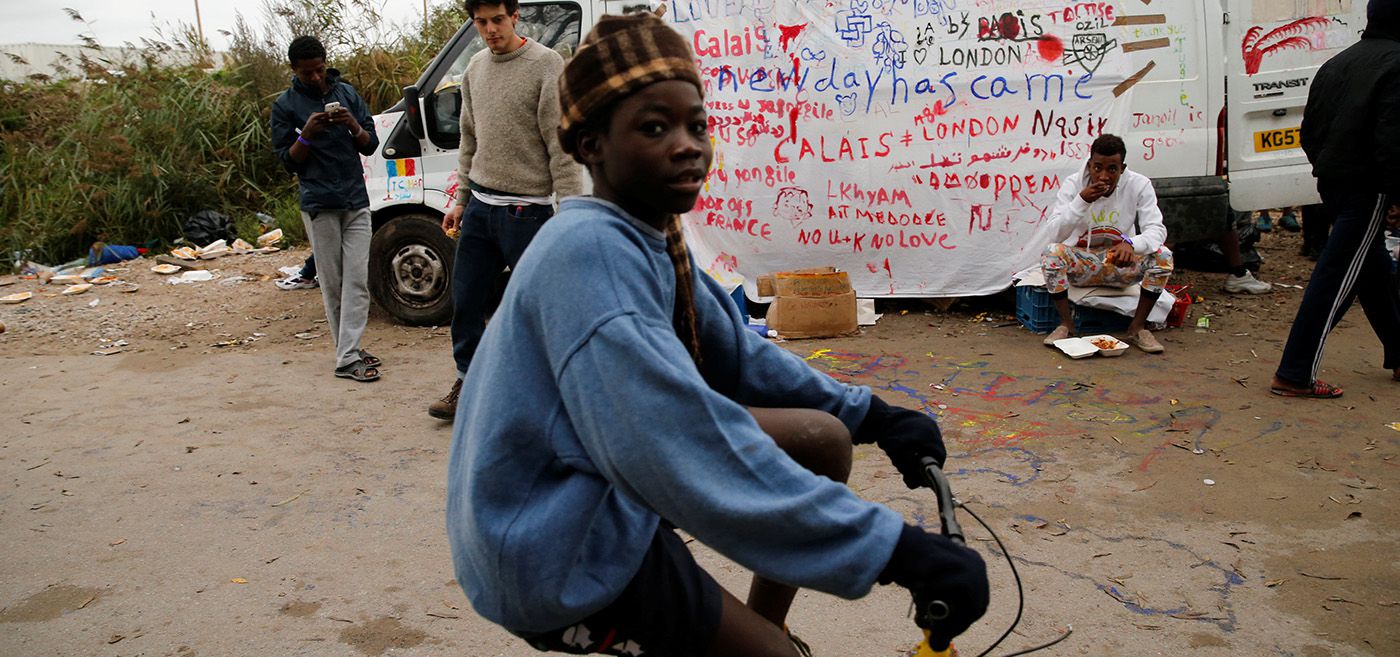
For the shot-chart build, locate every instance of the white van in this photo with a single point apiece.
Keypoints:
(818, 110)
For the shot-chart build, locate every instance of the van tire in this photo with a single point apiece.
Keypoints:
(410, 270)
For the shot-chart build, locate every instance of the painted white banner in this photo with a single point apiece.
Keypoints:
(916, 144)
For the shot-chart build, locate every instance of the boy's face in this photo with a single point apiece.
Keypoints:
(1105, 170)
(312, 73)
(653, 158)
(497, 28)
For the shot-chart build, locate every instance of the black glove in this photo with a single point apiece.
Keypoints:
(906, 436)
(934, 568)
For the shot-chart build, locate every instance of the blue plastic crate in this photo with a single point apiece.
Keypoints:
(1088, 321)
(1036, 312)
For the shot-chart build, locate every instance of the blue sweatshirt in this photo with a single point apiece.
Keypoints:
(583, 421)
(331, 177)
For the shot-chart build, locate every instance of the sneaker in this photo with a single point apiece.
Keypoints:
(446, 408)
(296, 283)
(1289, 222)
(1246, 284)
(1059, 333)
(1266, 222)
(1145, 341)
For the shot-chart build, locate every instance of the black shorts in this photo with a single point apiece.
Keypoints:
(671, 608)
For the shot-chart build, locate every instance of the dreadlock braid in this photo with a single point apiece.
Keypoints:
(684, 316)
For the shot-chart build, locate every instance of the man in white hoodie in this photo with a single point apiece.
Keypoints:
(1108, 232)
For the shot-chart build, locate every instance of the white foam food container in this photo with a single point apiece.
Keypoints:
(1107, 344)
(1076, 347)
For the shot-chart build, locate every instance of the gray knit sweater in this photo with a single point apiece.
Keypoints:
(510, 125)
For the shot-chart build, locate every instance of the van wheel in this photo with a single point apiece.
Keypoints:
(410, 270)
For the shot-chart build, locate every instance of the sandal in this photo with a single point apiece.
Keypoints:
(359, 371)
(370, 359)
(1318, 390)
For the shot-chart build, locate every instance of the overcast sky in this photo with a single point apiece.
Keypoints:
(115, 21)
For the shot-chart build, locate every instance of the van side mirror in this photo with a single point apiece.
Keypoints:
(413, 110)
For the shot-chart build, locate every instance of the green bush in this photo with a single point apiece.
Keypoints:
(123, 152)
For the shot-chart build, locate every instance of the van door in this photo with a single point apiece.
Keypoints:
(1273, 49)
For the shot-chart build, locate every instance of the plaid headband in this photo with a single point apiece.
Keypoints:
(619, 56)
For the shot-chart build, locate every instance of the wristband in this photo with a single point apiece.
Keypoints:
(1127, 240)
(303, 141)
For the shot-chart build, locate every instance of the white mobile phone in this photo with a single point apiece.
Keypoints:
(333, 107)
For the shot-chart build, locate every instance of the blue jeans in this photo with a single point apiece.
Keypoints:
(493, 237)
(1353, 265)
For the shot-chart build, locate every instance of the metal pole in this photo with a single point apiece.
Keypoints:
(199, 22)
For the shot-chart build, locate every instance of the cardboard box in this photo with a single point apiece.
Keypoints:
(810, 303)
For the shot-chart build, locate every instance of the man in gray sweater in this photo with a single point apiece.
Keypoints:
(509, 166)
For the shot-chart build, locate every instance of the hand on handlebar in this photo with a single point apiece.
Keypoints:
(947, 580)
(906, 437)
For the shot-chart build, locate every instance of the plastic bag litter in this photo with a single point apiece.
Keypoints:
(208, 226)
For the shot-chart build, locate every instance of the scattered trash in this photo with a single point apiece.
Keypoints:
(77, 289)
(1103, 345)
(165, 269)
(17, 297)
(108, 351)
(185, 253)
(233, 342)
(208, 226)
(239, 580)
(31, 268)
(307, 336)
(66, 279)
(270, 238)
(94, 303)
(193, 276)
(289, 270)
(1394, 425)
(1209, 482)
(104, 254)
(123, 286)
(1203, 323)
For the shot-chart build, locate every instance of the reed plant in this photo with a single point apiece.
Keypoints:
(123, 151)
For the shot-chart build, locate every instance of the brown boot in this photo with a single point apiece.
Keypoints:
(446, 408)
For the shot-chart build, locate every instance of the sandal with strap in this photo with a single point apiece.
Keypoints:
(359, 371)
(1318, 390)
(370, 359)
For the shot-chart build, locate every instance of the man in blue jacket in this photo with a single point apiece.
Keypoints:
(1351, 133)
(320, 128)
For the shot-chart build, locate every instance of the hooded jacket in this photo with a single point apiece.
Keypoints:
(1351, 126)
(331, 177)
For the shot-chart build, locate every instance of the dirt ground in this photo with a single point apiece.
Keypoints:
(211, 489)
